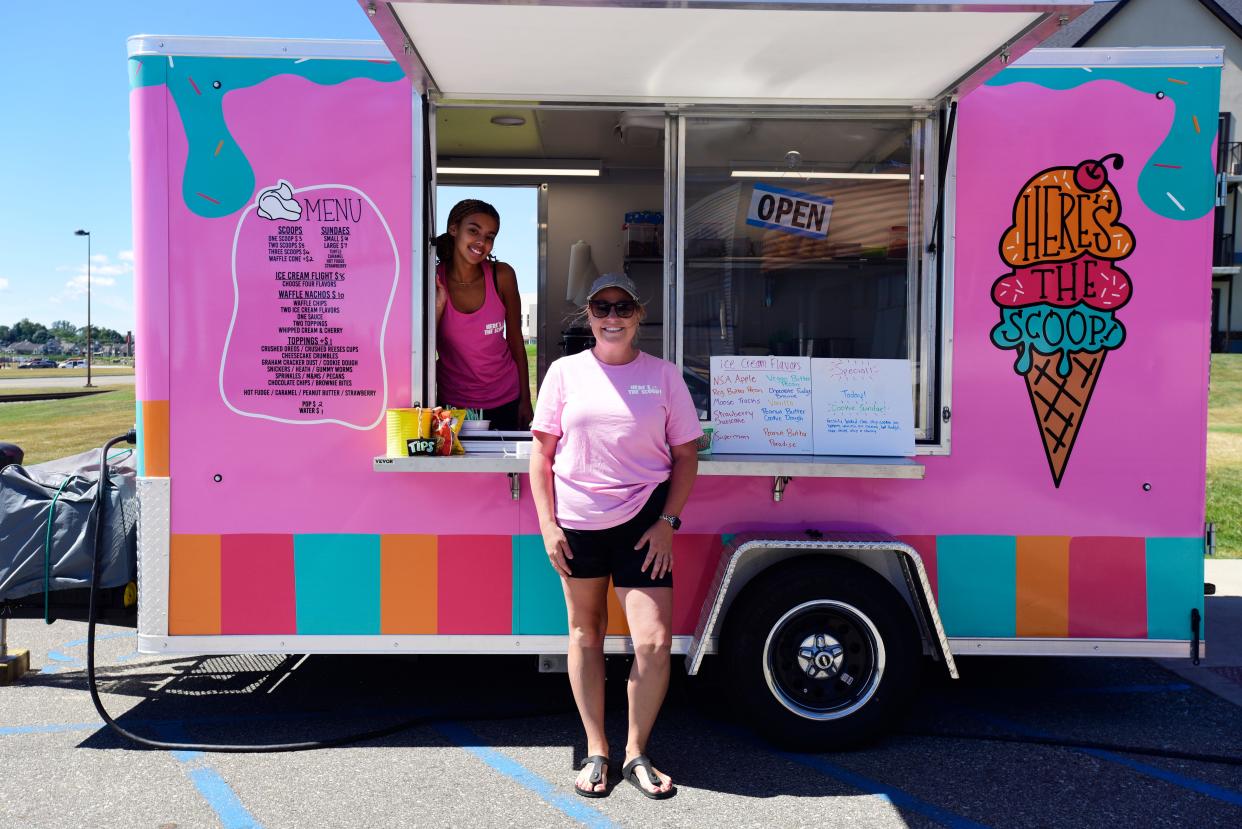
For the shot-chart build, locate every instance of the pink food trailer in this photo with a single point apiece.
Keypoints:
(1025, 232)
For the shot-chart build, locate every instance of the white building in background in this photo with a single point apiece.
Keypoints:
(530, 316)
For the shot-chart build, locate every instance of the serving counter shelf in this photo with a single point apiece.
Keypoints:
(782, 469)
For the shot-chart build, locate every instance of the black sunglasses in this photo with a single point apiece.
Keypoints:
(601, 308)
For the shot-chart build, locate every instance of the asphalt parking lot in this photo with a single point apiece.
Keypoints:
(496, 742)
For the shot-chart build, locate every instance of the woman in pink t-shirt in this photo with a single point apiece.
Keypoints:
(480, 356)
(611, 469)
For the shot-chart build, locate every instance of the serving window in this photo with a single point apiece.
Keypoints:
(802, 237)
(747, 233)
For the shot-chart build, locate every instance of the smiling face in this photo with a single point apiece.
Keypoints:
(614, 331)
(473, 237)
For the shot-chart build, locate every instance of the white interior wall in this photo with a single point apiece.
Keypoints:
(594, 211)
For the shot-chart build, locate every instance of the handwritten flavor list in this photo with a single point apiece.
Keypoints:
(762, 405)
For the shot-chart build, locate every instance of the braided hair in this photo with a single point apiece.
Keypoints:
(464, 208)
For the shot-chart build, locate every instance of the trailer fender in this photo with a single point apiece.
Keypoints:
(746, 556)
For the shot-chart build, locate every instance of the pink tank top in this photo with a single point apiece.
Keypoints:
(474, 368)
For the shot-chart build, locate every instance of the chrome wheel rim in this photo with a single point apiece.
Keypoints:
(823, 660)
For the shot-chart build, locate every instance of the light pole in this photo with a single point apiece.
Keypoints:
(87, 234)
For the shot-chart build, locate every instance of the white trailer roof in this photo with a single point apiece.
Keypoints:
(724, 51)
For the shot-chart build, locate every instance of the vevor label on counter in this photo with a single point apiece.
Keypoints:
(802, 214)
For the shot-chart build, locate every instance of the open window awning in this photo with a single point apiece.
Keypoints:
(724, 51)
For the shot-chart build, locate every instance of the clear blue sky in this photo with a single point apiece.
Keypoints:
(64, 142)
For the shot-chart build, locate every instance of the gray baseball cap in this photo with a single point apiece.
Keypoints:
(614, 280)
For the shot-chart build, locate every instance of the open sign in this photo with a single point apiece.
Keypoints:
(802, 214)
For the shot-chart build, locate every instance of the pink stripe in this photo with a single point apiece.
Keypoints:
(148, 115)
(694, 564)
(1108, 587)
(257, 584)
(475, 574)
(925, 546)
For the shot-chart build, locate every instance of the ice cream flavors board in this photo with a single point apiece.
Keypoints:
(761, 405)
(800, 405)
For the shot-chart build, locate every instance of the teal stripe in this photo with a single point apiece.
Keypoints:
(337, 583)
(538, 600)
(1174, 586)
(977, 577)
(141, 456)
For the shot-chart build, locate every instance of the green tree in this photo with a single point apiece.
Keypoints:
(6, 334)
(64, 330)
(24, 329)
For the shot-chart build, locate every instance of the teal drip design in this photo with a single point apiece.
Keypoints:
(218, 178)
(1190, 177)
(1080, 328)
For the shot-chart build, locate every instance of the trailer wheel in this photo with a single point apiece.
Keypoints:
(821, 654)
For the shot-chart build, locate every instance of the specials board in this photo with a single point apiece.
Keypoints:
(799, 405)
(761, 405)
(862, 407)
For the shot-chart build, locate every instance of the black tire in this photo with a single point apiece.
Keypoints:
(821, 654)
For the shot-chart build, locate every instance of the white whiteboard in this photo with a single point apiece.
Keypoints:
(761, 405)
(862, 407)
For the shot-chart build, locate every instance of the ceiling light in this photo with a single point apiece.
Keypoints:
(799, 174)
(516, 171)
(508, 120)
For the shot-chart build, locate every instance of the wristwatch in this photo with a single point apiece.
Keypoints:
(673, 521)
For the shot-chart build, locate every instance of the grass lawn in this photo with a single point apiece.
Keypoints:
(66, 373)
(1224, 454)
(49, 429)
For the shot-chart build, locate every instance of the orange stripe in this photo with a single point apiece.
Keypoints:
(1043, 586)
(617, 625)
(155, 437)
(408, 579)
(194, 585)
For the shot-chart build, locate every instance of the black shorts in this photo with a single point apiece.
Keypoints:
(504, 417)
(611, 552)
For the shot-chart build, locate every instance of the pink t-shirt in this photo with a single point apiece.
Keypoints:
(474, 367)
(615, 424)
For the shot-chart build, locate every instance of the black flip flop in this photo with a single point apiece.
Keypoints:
(597, 762)
(629, 773)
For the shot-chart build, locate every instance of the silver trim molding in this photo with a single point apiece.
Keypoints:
(744, 546)
(154, 531)
(1143, 648)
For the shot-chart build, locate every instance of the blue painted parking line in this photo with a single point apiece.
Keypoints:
(1185, 782)
(571, 805)
(1159, 688)
(899, 798)
(69, 663)
(210, 785)
(58, 728)
(1182, 780)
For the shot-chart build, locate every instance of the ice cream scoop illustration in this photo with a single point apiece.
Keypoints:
(1059, 301)
(278, 204)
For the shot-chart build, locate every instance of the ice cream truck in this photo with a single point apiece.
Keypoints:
(944, 297)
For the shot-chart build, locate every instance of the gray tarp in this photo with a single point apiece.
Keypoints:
(26, 494)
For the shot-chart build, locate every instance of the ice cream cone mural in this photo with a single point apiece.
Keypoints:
(1058, 303)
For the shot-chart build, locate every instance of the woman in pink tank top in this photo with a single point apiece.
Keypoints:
(480, 356)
